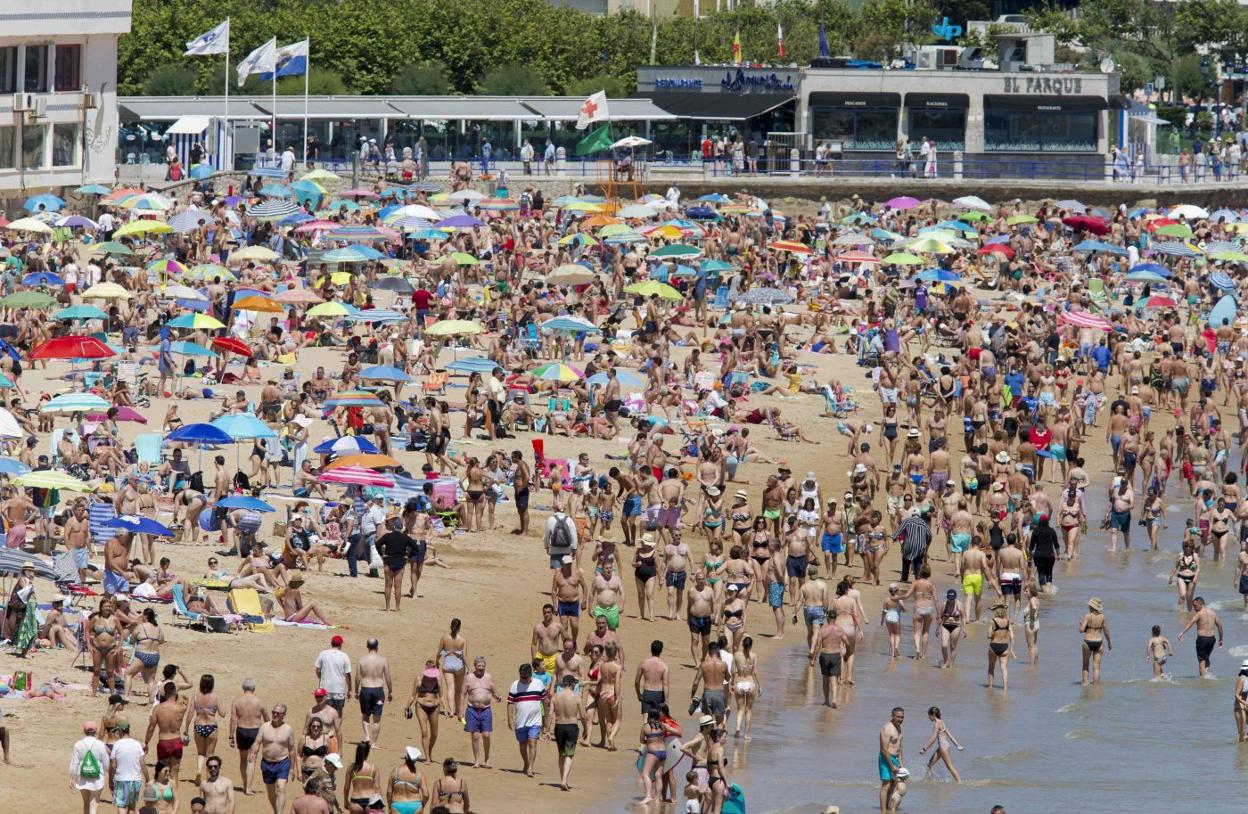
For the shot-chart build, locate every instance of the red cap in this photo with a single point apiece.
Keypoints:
(320, 693)
(336, 641)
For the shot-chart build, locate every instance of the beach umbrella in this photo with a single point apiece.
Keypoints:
(903, 259)
(1175, 249)
(1156, 301)
(997, 248)
(624, 377)
(1223, 312)
(676, 251)
(199, 433)
(196, 322)
(1086, 223)
(1155, 268)
(143, 227)
(973, 217)
(318, 174)
(570, 274)
(353, 398)
(1083, 319)
(92, 189)
(857, 257)
(243, 426)
(399, 285)
(272, 210)
(1227, 215)
(384, 373)
(1229, 256)
(149, 202)
(106, 291)
(333, 308)
(75, 222)
(902, 202)
(199, 172)
(230, 344)
(355, 476)
(637, 212)
(258, 304)
(349, 254)
(27, 299)
(1093, 246)
(558, 372)
(972, 202)
(72, 347)
(930, 245)
(275, 191)
(185, 348)
(75, 403)
(937, 275)
(137, 524)
(1221, 281)
(182, 292)
(958, 227)
(472, 364)
(345, 445)
(190, 219)
(648, 288)
(79, 312)
(167, 265)
(363, 460)
(298, 296)
(9, 428)
(454, 327)
(1020, 219)
(112, 248)
(46, 202)
(384, 316)
(715, 266)
(29, 226)
(12, 466)
(1145, 277)
(765, 296)
(244, 502)
(1174, 230)
(858, 218)
(459, 222)
(1188, 211)
(1072, 205)
(51, 479)
(260, 254)
(791, 246)
(569, 324)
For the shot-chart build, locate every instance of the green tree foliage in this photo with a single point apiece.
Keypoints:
(369, 44)
(592, 84)
(513, 80)
(422, 79)
(321, 82)
(170, 80)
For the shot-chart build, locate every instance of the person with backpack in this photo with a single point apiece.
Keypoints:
(88, 767)
(560, 538)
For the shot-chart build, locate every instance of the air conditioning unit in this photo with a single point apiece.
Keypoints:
(37, 109)
(23, 102)
(90, 100)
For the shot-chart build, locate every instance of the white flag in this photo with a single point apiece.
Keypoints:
(291, 60)
(261, 60)
(216, 41)
(593, 109)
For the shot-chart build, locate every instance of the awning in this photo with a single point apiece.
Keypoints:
(717, 106)
(1045, 104)
(938, 101)
(127, 116)
(852, 100)
(188, 126)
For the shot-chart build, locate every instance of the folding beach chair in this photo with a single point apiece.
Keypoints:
(147, 447)
(246, 603)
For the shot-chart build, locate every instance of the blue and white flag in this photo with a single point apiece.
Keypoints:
(292, 60)
(216, 41)
(260, 60)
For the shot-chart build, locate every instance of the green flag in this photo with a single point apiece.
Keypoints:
(599, 139)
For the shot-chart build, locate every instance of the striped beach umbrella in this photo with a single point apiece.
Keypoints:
(199, 322)
(75, 403)
(275, 209)
(355, 476)
(1083, 319)
(353, 398)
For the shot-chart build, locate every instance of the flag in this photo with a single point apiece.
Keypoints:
(291, 60)
(260, 60)
(593, 109)
(780, 39)
(216, 41)
(823, 44)
(736, 48)
(599, 139)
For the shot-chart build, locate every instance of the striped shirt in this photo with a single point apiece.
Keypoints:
(527, 699)
(915, 535)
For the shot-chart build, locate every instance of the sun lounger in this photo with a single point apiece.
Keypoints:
(246, 603)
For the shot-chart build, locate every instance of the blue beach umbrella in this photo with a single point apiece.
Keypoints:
(47, 200)
(244, 426)
(244, 502)
(472, 364)
(1155, 268)
(199, 433)
(346, 445)
(384, 373)
(12, 466)
(137, 524)
(42, 278)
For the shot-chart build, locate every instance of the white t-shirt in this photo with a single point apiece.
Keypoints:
(726, 658)
(288, 160)
(335, 666)
(128, 759)
(527, 699)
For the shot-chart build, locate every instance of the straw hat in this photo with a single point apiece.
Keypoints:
(647, 540)
(295, 578)
(1003, 457)
(1094, 604)
(741, 494)
(914, 433)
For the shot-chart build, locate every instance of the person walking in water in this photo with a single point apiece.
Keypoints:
(890, 757)
(1095, 630)
(942, 738)
(1206, 621)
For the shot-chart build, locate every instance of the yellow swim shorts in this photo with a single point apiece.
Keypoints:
(973, 584)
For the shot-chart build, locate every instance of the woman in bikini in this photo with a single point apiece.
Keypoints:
(475, 487)
(451, 657)
(713, 563)
(942, 739)
(406, 792)
(609, 707)
(740, 572)
(148, 637)
(846, 609)
(717, 782)
(739, 514)
(1153, 515)
(888, 433)
(1000, 643)
(205, 709)
(104, 644)
(1071, 518)
(1095, 630)
(424, 702)
(654, 735)
(890, 616)
(952, 629)
(313, 748)
(923, 592)
(361, 782)
(1185, 573)
(450, 791)
(1031, 620)
(760, 552)
(733, 616)
(166, 790)
(746, 686)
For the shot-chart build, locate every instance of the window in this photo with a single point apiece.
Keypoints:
(68, 67)
(856, 128)
(65, 143)
(8, 69)
(33, 138)
(36, 69)
(8, 145)
(1037, 130)
(947, 127)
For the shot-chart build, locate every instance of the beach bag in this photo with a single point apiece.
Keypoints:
(89, 768)
(561, 537)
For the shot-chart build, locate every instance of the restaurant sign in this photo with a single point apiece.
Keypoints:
(1052, 85)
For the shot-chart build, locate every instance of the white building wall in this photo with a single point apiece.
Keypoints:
(69, 116)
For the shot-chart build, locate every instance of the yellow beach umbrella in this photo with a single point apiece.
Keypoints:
(261, 254)
(332, 308)
(106, 291)
(143, 227)
(455, 327)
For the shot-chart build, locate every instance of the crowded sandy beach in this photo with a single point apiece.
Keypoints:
(436, 495)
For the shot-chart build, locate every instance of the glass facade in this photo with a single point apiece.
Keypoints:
(938, 117)
(8, 69)
(861, 121)
(1069, 125)
(36, 79)
(66, 141)
(8, 147)
(68, 74)
(34, 152)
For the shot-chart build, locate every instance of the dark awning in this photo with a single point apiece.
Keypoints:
(855, 100)
(717, 106)
(127, 116)
(1046, 104)
(938, 100)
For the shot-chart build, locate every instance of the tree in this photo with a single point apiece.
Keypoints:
(422, 79)
(1190, 78)
(1134, 71)
(321, 82)
(592, 84)
(170, 80)
(513, 80)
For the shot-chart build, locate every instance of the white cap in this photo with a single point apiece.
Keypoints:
(413, 754)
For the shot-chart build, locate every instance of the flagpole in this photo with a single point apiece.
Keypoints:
(307, 71)
(273, 131)
(225, 125)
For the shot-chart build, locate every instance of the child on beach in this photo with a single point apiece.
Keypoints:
(1158, 651)
(693, 794)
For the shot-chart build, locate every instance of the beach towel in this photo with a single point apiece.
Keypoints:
(304, 625)
(246, 603)
(147, 447)
(99, 513)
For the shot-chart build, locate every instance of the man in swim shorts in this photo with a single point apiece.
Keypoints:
(890, 756)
